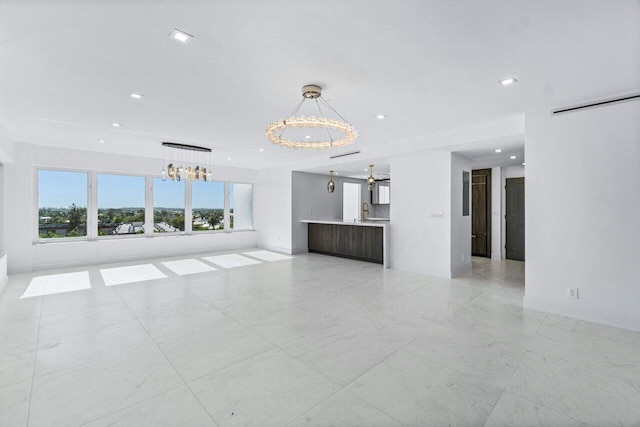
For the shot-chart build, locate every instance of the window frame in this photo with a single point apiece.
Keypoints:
(93, 205)
(97, 207)
(36, 232)
(228, 205)
(224, 210)
(187, 209)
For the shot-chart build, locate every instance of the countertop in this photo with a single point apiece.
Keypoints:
(366, 223)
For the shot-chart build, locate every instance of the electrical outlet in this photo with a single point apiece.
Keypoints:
(573, 293)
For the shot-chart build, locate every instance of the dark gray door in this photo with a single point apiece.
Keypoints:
(515, 218)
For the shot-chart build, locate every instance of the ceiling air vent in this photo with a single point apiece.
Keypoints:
(597, 104)
(344, 154)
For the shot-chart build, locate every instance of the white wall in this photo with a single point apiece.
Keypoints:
(419, 241)
(273, 209)
(460, 225)
(7, 146)
(497, 213)
(7, 153)
(513, 172)
(25, 254)
(582, 212)
(3, 255)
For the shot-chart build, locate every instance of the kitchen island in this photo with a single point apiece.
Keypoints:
(365, 241)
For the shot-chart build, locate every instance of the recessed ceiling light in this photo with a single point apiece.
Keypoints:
(135, 95)
(366, 169)
(336, 173)
(380, 116)
(307, 136)
(508, 81)
(262, 149)
(522, 163)
(228, 158)
(498, 150)
(102, 141)
(115, 125)
(181, 36)
(513, 157)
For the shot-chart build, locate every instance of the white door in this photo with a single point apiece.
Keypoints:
(351, 202)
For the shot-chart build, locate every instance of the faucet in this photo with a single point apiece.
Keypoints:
(365, 209)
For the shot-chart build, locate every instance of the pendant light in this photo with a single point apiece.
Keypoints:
(331, 186)
(371, 182)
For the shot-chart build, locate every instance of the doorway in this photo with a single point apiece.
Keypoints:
(351, 198)
(515, 219)
(481, 212)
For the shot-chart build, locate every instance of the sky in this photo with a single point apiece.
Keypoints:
(59, 189)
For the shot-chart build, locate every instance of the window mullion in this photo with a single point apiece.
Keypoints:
(148, 207)
(188, 212)
(227, 207)
(92, 206)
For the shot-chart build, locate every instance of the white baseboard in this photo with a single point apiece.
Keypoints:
(4, 279)
(589, 314)
(461, 269)
(497, 256)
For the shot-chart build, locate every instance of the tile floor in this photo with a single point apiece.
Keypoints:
(308, 340)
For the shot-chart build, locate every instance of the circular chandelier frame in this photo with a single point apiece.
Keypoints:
(276, 129)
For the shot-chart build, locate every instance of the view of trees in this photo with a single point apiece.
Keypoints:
(168, 220)
(62, 188)
(63, 222)
(208, 219)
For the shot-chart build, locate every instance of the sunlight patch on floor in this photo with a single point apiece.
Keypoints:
(231, 260)
(57, 283)
(188, 266)
(268, 255)
(131, 274)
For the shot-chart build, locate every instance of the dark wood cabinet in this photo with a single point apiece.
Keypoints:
(350, 241)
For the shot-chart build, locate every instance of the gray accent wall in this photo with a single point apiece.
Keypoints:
(311, 200)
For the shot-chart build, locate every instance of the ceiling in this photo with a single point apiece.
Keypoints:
(432, 67)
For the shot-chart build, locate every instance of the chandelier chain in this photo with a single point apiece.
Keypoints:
(334, 110)
(293, 113)
(322, 115)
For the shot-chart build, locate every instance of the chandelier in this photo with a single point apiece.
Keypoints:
(348, 134)
(189, 155)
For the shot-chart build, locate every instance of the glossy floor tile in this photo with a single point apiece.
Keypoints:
(253, 337)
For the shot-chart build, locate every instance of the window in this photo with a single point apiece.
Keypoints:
(240, 206)
(62, 204)
(168, 206)
(94, 205)
(120, 205)
(207, 205)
